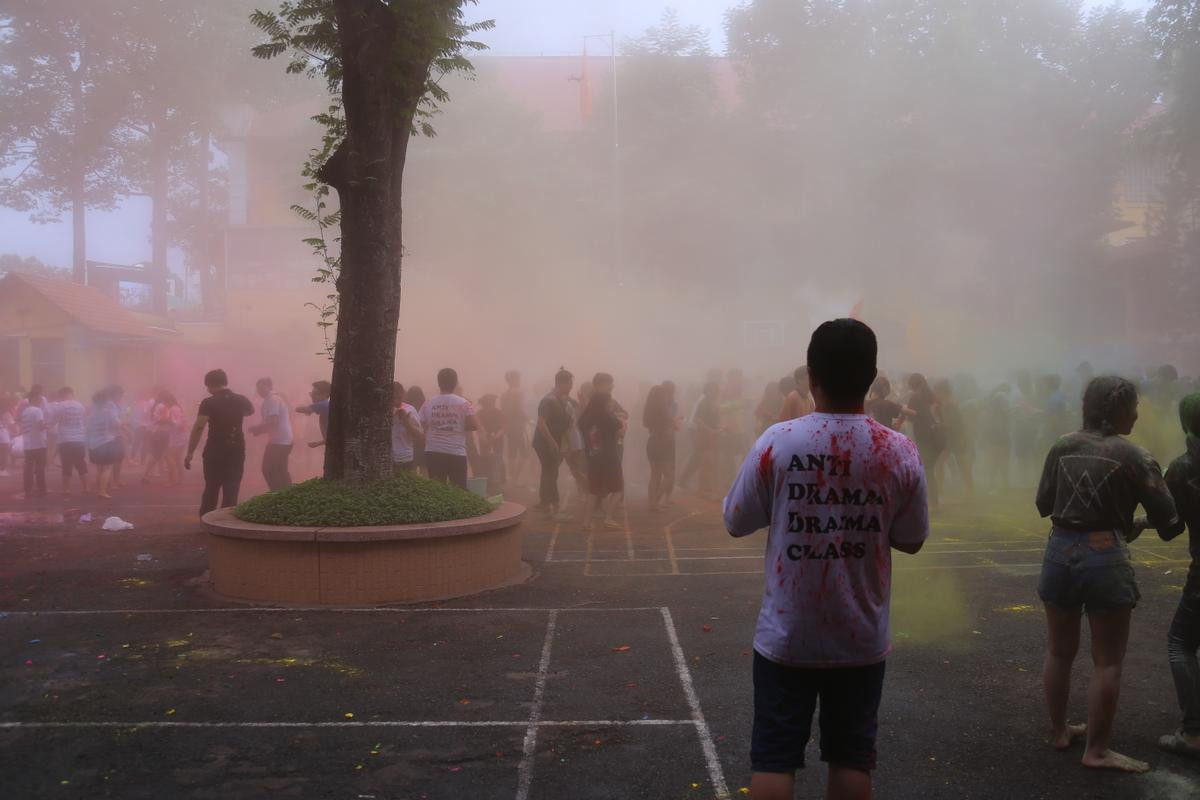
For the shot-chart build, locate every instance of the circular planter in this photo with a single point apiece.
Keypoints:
(356, 566)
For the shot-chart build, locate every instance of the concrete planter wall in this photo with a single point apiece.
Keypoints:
(357, 566)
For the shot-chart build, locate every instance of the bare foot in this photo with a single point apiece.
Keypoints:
(1064, 740)
(1111, 760)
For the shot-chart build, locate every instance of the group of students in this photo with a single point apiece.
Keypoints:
(78, 435)
(151, 432)
(838, 489)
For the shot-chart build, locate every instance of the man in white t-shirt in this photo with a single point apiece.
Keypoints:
(67, 417)
(447, 419)
(406, 431)
(276, 425)
(837, 492)
(31, 419)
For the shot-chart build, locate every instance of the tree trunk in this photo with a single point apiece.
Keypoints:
(367, 171)
(78, 225)
(78, 177)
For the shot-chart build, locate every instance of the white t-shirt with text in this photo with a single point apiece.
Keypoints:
(834, 490)
(402, 440)
(444, 419)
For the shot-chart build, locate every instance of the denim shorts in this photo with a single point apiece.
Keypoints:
(785, 699)
(1088, 569)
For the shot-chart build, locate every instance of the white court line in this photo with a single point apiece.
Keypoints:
(715, 775)
(628, 534)
(553, 541)
(529, 748)
(495, 723)
(669, 533)
(277, 610)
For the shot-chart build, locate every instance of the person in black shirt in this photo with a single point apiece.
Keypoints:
(601, 429)
(549, 437)
(1092, 482)
(928, 431)
(1183, 640)
(882, 408)
(225, 450)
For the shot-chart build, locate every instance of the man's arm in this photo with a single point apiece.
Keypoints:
(910, 523)
(1047, 491)
(1159, 502)
(194, 439)
(747, 507)
(270, 419)
(1183, 493)
(543, 430)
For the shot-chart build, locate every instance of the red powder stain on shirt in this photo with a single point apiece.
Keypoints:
(765, 465)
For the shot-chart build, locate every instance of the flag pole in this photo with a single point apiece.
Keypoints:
(618, 255)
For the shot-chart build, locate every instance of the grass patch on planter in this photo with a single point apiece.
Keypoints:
(407, 499)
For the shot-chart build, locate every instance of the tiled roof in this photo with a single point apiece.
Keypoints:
(87, 305)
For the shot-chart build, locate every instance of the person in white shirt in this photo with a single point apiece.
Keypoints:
(106, 449)
(67, 417)
(447, 419)
(406, 431)
(838, 492)
(276, 425)
(32, 422)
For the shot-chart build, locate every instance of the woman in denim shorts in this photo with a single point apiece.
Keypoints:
(1092, 483)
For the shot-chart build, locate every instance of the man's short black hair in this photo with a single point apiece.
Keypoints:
(563, 377)
(841, 359)
(602, 377)
(324, 387)
(216, 378)
(447, 380)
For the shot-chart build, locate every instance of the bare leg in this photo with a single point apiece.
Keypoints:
(1062, 644)
(102, 473)
(848, 784)
(1110, 636)
(772, 786)
(653, 490)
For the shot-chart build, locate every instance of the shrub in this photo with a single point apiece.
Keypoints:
(404, 500)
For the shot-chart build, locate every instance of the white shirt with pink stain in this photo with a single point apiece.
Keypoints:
(834, 491)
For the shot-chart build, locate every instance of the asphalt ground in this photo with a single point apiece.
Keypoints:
(620, 669)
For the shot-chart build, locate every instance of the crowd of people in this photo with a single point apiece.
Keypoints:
(829, 458)
(96, 442)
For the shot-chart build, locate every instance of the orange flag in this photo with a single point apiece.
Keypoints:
(585, 89)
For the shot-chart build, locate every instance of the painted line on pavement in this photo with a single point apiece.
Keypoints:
(529, 747)
(715, 775)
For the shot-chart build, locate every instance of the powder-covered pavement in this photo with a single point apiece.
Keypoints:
(621, 669)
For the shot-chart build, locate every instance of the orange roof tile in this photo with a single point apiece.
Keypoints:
(87, 305)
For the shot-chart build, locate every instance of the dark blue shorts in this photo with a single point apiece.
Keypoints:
(785, 699)
(1089, 570)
